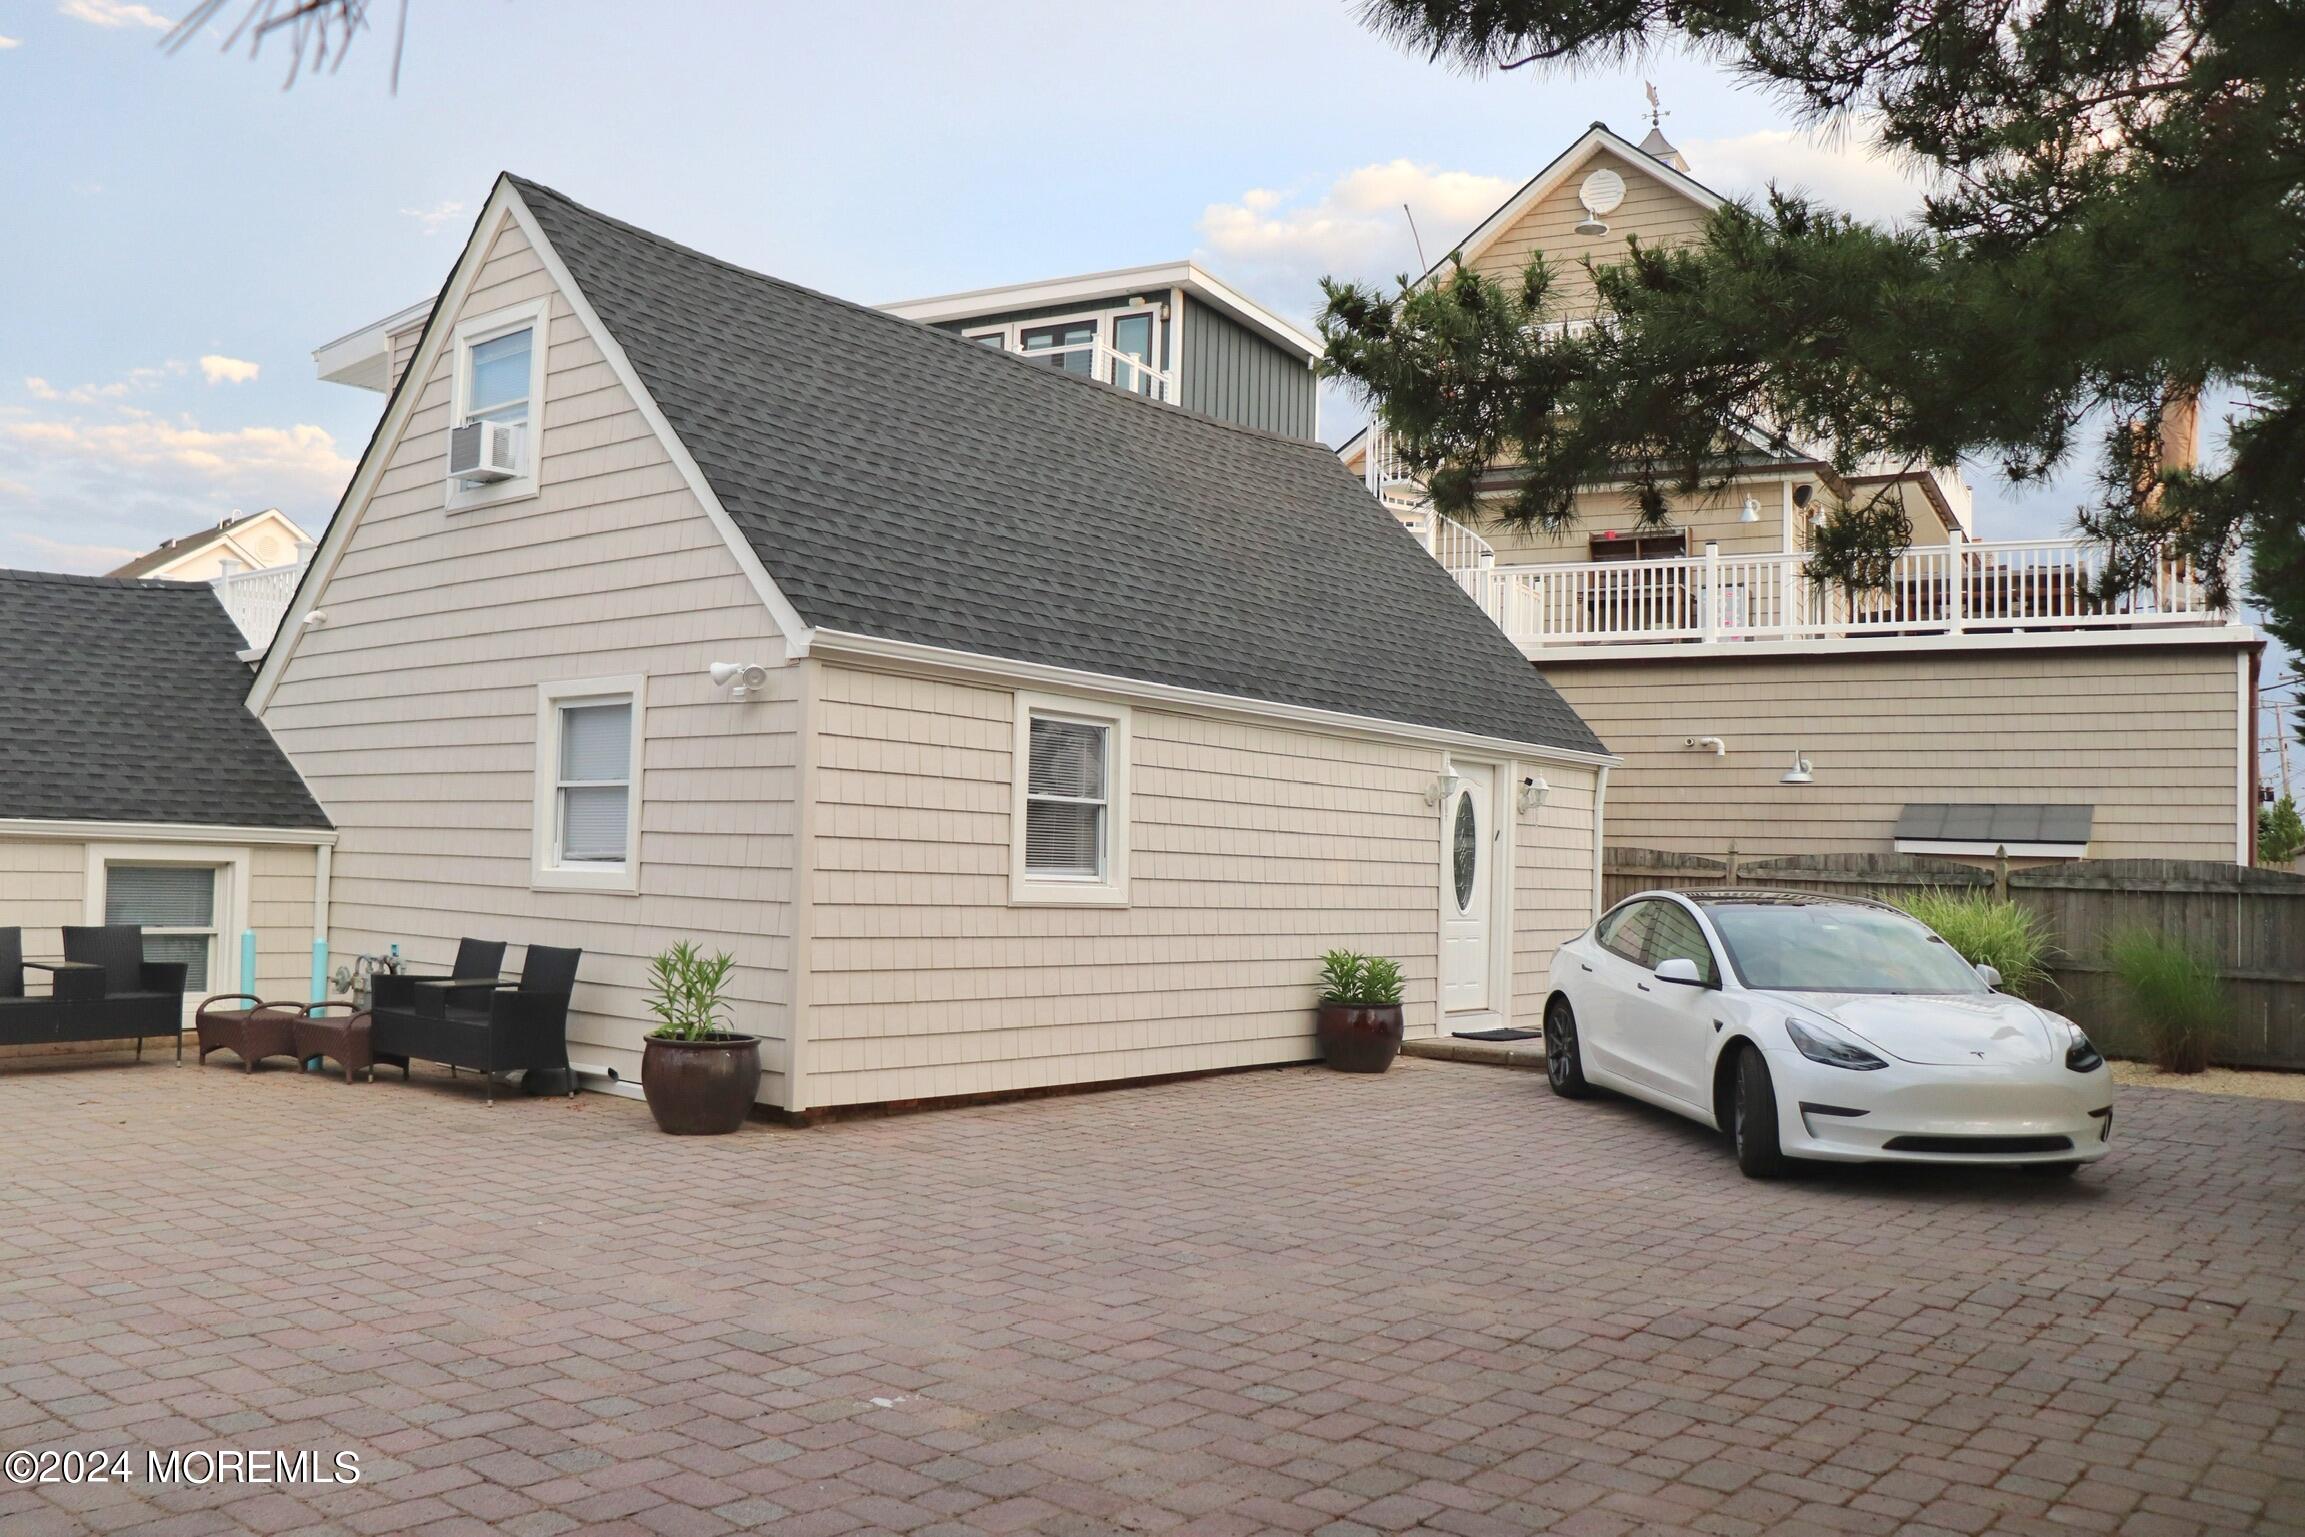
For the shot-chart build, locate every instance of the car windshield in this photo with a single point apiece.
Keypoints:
(1833, 947)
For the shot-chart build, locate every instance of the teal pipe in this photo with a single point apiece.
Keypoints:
(248, 961)
(319, 970)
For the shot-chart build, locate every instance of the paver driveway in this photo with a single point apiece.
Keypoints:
(1290, 1301)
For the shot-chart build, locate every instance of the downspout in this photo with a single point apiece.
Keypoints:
(1600, 797)
(322, 858)
(803, 889)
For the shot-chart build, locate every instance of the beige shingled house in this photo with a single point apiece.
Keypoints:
(1010, 728)
(1986, 700)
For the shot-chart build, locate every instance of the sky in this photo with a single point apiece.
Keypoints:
(181, 232)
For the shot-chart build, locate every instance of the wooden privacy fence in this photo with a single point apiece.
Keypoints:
(2250, 923)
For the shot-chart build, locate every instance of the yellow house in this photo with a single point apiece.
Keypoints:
(1986, 699)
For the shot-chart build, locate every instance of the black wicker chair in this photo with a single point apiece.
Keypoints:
(521, 1028)
(104, 991)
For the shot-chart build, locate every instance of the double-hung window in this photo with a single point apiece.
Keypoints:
(588, 784)
(1070, 834)
(175, 905)
(498, 376)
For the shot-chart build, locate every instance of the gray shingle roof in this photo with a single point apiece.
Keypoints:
(1996, 822)
(903, 483)
(121, 701)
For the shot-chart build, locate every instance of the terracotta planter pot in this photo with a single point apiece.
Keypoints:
(700, 1088)
(1360, 1037)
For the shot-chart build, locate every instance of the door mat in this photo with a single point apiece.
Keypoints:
(1495, 1035)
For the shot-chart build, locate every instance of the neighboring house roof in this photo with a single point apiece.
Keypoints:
(176, 550)
(902, 483)
(363, 358)
(123, 703)
(1558, 170)
(1189, 276)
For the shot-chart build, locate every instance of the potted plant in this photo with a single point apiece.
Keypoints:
(1359, 1025)
(699, 1077)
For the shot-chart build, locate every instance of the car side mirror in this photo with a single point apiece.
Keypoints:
(1991, 974)
(1682, 970)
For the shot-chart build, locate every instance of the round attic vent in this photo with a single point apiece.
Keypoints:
(1600, 192)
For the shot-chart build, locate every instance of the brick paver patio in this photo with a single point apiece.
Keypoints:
(1290, 1301)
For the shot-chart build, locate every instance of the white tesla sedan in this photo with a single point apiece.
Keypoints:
(1820, 1027)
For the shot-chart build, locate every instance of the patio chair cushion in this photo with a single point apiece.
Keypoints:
(548, 969)
(479, 958)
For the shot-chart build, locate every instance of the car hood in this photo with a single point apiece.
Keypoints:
(1939, 1029)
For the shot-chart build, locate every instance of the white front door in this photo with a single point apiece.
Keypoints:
(1468, 915)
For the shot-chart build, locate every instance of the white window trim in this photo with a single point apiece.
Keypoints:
(535, 317)
(1010, 332)
(1111, 889)
(546, 873)
(231, 867)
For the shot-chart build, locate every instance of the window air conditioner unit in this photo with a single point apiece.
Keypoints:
(484, 451)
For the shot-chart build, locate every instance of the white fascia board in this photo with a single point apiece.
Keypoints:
(1974, 848)
(164, 832)
(363, 358)
(381, 447)
(788, 620)
(1542, 185)
(938, 309)
(941, 661)
(503, 202)
(2175, 633)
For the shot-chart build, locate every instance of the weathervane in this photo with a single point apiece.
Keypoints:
(1657, 114)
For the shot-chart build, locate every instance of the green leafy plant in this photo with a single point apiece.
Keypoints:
(688, 991)
(2177, 993)
(1347, 976)
(2012, 939)
(2280, 832)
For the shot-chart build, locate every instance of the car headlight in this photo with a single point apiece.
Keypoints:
(2081, 1053)
(1830, 1050)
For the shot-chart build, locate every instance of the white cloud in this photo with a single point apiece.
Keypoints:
(431, 220)
(1352, 228)
(301, 456)
(7, 43)
(114, 14)
(218, 369)
(1843, 167)
(63, 555)
(40, 389)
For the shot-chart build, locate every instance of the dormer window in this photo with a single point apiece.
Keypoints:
(497, 393)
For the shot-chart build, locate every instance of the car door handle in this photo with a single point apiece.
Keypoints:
(1583, 966)
(1643, 986)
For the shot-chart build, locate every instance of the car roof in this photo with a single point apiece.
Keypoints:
(1716, 896)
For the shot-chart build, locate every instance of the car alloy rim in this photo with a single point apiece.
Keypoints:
(1557, 1050)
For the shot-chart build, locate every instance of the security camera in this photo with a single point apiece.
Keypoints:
(747, 676)
(1531, 795)
(1528, 781)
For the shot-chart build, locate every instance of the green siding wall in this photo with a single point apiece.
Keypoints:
(1232, 373)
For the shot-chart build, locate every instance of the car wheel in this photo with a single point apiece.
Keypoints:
(1564, 1068)
(1753, 1119)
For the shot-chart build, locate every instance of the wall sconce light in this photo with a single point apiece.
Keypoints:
(747, 676)
(1532, 793)
(1711, 744)
(1445, 787)
(1750, 512)
(316, 618)
(1799, 773)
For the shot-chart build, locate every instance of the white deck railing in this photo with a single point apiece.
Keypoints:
(1967, 586)
(258, 600)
